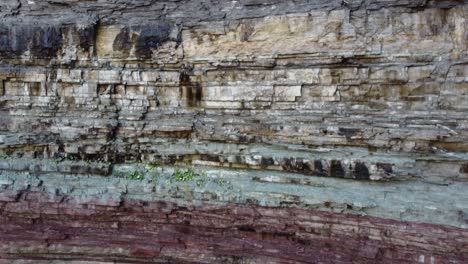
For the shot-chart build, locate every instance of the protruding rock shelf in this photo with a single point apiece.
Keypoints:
(216, 131)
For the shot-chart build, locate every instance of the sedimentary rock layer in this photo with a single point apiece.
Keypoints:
(142, 232)
(115, 220)
(352, 113)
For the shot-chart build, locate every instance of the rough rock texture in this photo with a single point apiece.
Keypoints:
(350, 115)
(141, 232)
(73, 217)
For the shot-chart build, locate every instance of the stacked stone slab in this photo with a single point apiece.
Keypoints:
(337, 106)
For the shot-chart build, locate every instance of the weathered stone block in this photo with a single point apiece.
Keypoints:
(287, 93)
(420, 73)
(16, 88)
(109, 76)
(238, 93)
(388, 75)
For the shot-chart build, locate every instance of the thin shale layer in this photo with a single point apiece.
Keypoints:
(214, 131)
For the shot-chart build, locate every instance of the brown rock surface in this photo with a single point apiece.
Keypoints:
(327, 131)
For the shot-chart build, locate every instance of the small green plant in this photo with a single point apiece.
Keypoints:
(152, 167)
(4, 156)
(184, 175)
(58, 160)
(131, 175)
(200, 182)
(136, 175)
(221, 180)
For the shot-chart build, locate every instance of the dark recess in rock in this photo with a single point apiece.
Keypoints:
(2, 89)
(209, 157)
(386, 167)
(151, 37)
(336, 170)
(87, 37)
(123, 42)
(464, 168)
(266, 161)
(361, 172)
(293, 164)
(318, 168)
(41, 41)
(144, 38)
(348, 132)
(192, 92)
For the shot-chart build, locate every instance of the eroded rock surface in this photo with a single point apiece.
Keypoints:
(352, 114)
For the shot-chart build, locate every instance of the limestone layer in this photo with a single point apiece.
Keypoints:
(350, 113)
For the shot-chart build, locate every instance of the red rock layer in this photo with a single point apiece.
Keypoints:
(40, 226)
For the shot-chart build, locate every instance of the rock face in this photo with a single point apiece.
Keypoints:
(214, 131)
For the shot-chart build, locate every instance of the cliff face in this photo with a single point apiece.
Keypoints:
(247, 131)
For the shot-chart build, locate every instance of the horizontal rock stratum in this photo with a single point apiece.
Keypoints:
(215, 131)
